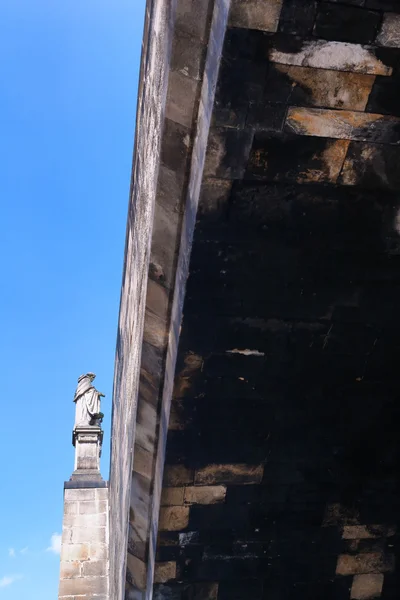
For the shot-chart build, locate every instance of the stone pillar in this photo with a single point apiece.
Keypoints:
(84, 548)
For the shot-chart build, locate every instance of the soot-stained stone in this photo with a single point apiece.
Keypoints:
(346, 23)
(331, 89)
(384, 97)
(242, 81)
(297, 17)
(227, 153)
(372, 166)
(343, 124)
(317, 87)
(300, 159)
(389, 5)
(321, 54)
(251, 589)
(255, 14)
(263, 116)
(389, 34)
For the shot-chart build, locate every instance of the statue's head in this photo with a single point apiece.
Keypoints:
(90, 376)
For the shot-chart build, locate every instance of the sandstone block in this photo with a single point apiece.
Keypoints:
(93, 508)
(343, 124)
(368, 562)
(174, 518)
(90, 520)
(95, 568)
(360, 532)
(71, 508)
(176, 475)
(229, 473)
(208, 494)
(88, 535)
(89, 586)
(372, 165)
(98, 551)
(70, 569)
(79, 494)
(297, 159)
(366, 587)
(255, 14)
(324, 87)
(136, 569)
(181, 99)
(172, 496)
(164, 571)
(71, 552)
(389, 34)
(339, 56)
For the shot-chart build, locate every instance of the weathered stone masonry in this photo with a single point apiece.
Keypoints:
(281, 467)
(282, 456)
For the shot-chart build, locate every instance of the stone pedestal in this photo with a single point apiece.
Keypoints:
(84, 548)
(87, 441)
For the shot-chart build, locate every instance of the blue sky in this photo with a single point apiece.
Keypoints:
(68, 89)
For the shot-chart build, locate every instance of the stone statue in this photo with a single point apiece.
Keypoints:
(87, 401)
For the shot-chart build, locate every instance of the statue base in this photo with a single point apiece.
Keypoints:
(87, 440)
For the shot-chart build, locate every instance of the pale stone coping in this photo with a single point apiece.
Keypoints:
(185, 118)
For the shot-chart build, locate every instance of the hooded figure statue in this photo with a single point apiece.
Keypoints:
(87, 401)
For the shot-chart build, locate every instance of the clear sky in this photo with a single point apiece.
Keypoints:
(68, 89)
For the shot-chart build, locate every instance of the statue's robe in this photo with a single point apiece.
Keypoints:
(87, 401)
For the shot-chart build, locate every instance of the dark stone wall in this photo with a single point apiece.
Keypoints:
(282, 471)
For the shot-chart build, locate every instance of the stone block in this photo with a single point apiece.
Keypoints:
(255, 14)
(75, 552)
(214, 198)
(187, 56)
(70, 569)
(177, 475)
(93, 508)
(227, 153)
(264, 116)
(172, 496)
(338, 56)
(366, 587)
(208, 494)
(181, 99)
(205, 591)
(91, 520)
(363, 532)
(88, 535)
(294, 158)
(84, 586)
(372, 166)
(136, 571)
(143, 462)
(364, 563)
(323, 87)
(71, 508)
(79, 495)
(389, 34)
(192, 18)
(174, 518)
(229, 473)
(95, 568)
(164, 571)
(98, 551)
(343, 124)
(346, 23)
(384, 97)
(175, 146)
(101, 493)
(297, 17)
